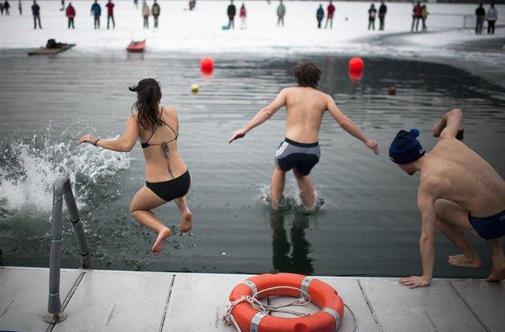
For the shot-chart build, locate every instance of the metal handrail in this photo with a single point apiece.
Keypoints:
(62, 188)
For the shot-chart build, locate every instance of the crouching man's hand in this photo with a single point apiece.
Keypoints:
(415, 281)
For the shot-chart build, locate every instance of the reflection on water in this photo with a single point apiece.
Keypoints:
(369, 224)
(294, 256)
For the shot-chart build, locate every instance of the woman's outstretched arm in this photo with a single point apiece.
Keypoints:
(124, 143)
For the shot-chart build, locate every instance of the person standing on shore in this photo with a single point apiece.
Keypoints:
(330, 11)
(167, 176)
(459, 192)
(20, 7)
(243, 17)
(492, 16)
(96, 11)
(416, 16)
(424, 16)
(110, 14)
(145, 14)
(281, 12)
(300, 150)
(372, 13)
(7, 7)
(155, 10)
(36, 14)
(320, 16)
(191, 4)
(383, 9)
(70, 13)
(231, 11)
(480, 14)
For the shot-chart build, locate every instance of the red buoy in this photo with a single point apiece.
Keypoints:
(356, 65)
(207, 66)
(355, 76)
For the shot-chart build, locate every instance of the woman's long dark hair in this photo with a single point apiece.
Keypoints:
(148, 98)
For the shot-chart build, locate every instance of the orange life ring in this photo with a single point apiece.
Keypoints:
(321, 294)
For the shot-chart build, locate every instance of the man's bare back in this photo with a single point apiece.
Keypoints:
(458, 174)
(305, 108)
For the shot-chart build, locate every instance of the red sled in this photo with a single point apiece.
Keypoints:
(137, 46)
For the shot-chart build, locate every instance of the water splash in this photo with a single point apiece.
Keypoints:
(29, 168)
(291, 200)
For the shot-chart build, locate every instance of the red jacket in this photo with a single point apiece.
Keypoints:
(110, 8)
(243, 12)
(70, 12)
(417, 10)
(330, 10)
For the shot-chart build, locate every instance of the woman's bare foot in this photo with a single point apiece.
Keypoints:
(160, 240)
(498, 271)
(465, 261)
(186, 225)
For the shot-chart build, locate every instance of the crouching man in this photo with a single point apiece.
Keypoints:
(458, 192)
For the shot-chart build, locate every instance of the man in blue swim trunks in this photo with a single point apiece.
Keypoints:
(458, 191)
(305, 107)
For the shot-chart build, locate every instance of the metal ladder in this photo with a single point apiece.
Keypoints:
(62, 188)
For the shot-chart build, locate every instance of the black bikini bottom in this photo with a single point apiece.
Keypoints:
(175, 188)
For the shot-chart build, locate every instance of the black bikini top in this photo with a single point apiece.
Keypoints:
(146, 144)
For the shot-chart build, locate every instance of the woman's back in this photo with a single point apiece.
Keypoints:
(162, 160)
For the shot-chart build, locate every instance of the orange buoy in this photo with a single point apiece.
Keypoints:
(207, 66)
(250, 319)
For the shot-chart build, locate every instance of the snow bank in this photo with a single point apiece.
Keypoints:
(200, 31)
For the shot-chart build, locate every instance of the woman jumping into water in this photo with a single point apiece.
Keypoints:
(167, 176)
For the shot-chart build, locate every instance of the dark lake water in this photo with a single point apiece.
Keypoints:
(369, 224)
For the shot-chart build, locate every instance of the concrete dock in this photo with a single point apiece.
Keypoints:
(97, 300)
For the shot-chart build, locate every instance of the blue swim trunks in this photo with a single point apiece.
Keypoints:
(300, 156)
(489, 227)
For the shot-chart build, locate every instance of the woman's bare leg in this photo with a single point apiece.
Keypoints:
(186, 216)
(142, 204)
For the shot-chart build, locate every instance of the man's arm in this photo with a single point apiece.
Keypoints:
(263, 115)
(426, 205)
(349, 126)
(124, 143)
(450, 125)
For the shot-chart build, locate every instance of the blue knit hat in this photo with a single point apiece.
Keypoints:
(405, 148)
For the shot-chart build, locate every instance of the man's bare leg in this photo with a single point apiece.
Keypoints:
(307, 190)
(452, 220)
(186, 217)
(277, 186)
(498, 270)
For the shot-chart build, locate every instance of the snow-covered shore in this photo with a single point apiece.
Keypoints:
(201, 30)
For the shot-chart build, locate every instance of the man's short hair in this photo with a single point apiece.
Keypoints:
(307, 74)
